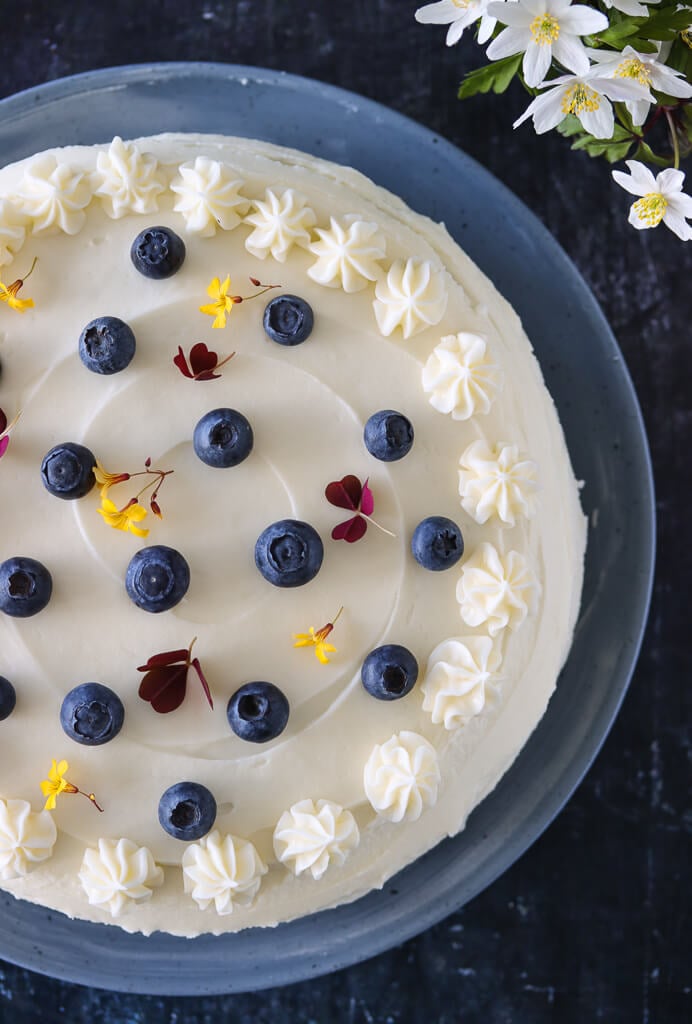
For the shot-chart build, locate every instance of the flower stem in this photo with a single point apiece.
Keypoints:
(673, 139)
(375, 523)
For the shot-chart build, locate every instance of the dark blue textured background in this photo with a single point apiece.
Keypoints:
(593, 923)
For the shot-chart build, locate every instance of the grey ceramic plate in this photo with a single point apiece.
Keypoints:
(598, 408)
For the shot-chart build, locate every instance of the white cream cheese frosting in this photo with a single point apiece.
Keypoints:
(223, 871)
(26, 838)
(281, 220)
(348, 254)
(496, 480)
(118, 873)
(516, 589)
(127, 181)
(457, 675)
(310, 836)
(208, 196)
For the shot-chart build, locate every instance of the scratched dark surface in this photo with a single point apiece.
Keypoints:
(593, 923)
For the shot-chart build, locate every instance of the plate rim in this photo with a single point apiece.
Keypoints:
(119, 76)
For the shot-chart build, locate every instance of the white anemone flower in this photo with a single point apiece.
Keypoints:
(458, 14)
(544, 30)
(644, 68)
(662, 198)
(587, 97)
(632, 7)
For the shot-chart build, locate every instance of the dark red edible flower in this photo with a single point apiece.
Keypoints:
(349, 493)
(202, 362)
(165, 682)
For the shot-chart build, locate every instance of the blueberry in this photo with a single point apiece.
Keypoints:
(389, 672)
(157, 578)
(25, 587)
(67, 471)
(437, 543)
(258, 712)
(187, 810)
(289, 553)
(8, 698)
(388, 435)
(288, 320)
(106, 345)
(92, 714)
(223, 438)
(157, 253)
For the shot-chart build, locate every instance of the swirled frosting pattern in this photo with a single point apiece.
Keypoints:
(455, 682)
(26, 838)
(401, 777)
(118, 873)
(495, 480)
(311, 836)
(348, 254)
(459, 376)
(12, 232)
(208, 196)
(127, 181)
(280, 222)
(223, 870)
(412, 296)
(53, 196)
(496, 590)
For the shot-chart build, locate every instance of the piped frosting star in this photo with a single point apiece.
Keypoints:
(412, 296)
(126, 180)
(53, 196)
(348, 254)
(281, 220)
(208, 196)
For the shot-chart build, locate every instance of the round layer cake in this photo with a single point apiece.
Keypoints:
(365, 520)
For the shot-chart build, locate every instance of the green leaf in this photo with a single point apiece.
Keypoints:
(680, 57)
(495, 76)
(570, 125)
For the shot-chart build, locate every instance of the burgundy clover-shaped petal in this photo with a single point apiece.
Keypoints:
(202, 362)
(165, 682)
(349, 493)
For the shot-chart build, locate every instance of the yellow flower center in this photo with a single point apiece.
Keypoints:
(580, 97)
(651, 208)
(686, 36)
(463, 4)
(545, 29)
(633, 67)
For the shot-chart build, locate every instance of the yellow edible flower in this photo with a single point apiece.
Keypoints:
(123, 518)
(317, 638)
(55, 784)
(223, 302)
(8, 292)
(106, 479)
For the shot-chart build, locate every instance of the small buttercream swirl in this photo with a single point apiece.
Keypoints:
(496, 590)
(53, 196)
(280, 222)
(26, 837)
(401, 777)
(223, 870)
(118, 873)
(12, 231)
(348, 254)
(496, 480)
(459, 377)
(209, 196)
(458, 670)
(126, 180)
(312, 836)
(412, 296)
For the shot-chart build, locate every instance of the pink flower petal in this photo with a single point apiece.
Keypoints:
(350, 531)
(4, 444)
(367, 501)
(344, 493)
(181, 362)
